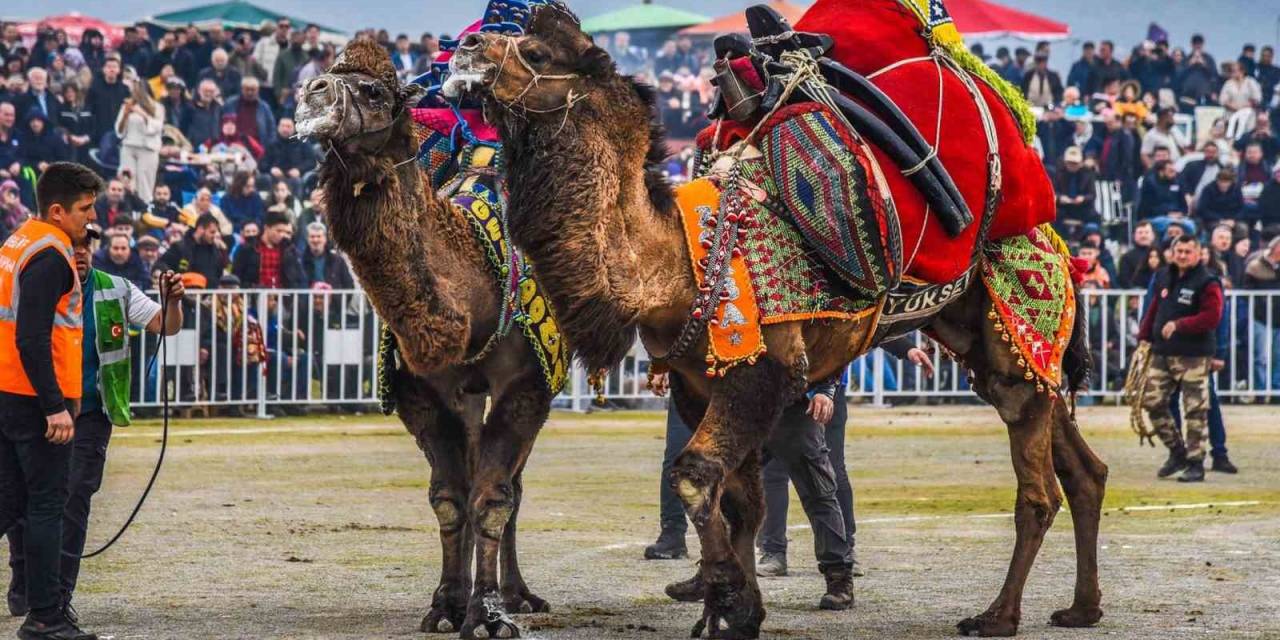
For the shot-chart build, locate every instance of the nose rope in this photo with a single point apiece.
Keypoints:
(571, 99)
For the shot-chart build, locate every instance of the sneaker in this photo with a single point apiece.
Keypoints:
(772, 565)
(18, 595)
(670, 546)
(1177, 462)
(839, 595)
(1194, 472)
(60, 629)
(691, 590)
(1222, 464)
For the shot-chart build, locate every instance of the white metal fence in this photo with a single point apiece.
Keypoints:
(260, 349)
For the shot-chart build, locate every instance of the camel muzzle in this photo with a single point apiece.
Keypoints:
(318, 113)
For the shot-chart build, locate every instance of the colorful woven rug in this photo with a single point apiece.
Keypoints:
(772, 278)
(1029, 280)
(824, 190)
(482, 207)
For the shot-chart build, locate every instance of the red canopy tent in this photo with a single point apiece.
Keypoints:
(75, 25)
(983, 19)
(736, 22)
(974, 19)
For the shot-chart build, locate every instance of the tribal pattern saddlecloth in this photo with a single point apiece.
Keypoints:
(482, 207)
(789, 282)
(1033, 300)
(824, 190)
(771, 276)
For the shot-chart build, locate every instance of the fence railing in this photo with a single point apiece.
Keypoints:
(260, 349)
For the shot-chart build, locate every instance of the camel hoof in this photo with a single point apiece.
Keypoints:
(717, 627)
(1076, 617)
(487, 618)
(987, 625)
(526, 603)
(442, 619)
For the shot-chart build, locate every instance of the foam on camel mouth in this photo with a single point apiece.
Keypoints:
(466, 75)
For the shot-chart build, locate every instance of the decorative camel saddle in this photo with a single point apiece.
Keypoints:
(818, 193)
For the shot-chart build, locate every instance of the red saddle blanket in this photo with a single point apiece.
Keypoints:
(873, 34)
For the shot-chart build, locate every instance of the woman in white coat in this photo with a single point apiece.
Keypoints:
(140, 125)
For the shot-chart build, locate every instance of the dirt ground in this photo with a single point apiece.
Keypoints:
(320, 528)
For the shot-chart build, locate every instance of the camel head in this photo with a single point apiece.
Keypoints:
(355, 105)
(544, 71)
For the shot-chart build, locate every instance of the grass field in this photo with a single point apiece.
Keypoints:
(320, 528)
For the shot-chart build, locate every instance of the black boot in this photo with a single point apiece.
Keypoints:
(670, 546)
(1222, 464)
(839, 595)
(1177, 462)
(1194, 472)
(60, 628)
(691, 590)
(18, 595)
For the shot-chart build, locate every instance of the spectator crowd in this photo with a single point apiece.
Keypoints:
(193, 130)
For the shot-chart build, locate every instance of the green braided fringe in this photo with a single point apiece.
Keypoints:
(1009, 94)
(387, 349)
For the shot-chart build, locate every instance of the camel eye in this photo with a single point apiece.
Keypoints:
(535, 56)
(372, 90)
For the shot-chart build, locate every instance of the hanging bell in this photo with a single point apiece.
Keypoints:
(711, 372)
(1028, 376)
(991, 315)
(1022, 363)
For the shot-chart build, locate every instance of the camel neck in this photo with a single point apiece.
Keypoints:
(604, 239)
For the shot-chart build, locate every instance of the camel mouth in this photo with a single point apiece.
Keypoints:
(468, 73)
(321, 110)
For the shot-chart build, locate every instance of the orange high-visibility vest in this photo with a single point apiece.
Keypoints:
(67, 334)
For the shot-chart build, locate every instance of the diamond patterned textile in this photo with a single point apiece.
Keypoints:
(1029, 281)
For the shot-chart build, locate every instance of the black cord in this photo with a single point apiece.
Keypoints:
(165, 301)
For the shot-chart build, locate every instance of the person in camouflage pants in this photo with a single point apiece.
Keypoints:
(1190, 374)
(1181, 324)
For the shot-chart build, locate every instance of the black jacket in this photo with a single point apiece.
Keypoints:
(1159, 198)
(336, 274)
(1179, 296)
(1133, 271)
(103, 101)
(1215, 204)
(200, 123)
(190, 256)
(132, 270)
(248, 264)
(286, 154)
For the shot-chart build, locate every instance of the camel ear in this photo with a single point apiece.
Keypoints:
(411, 94)
(595, 62)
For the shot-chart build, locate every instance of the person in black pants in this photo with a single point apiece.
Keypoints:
(798, 447)
(93, 424)
(828, 408)
(40, 384)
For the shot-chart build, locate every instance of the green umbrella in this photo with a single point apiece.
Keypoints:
(232, 14)
(645, 15)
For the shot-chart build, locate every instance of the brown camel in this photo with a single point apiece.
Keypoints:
(430, 281)
(592, 211)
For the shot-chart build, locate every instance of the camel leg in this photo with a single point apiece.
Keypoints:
(744, 406)
(501, 447)
(515, 593)
(1084, 479)
(442, 436)
(1029, 416)
(743, 506)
